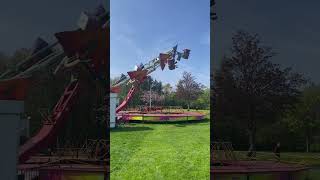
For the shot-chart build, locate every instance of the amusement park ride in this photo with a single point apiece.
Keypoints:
(136, 77)
(87, 46)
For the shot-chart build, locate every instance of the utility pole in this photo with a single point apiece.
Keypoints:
(150, 93)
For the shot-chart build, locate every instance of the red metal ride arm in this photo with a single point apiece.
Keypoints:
(52, 124)
(138, 76)
(129, 96)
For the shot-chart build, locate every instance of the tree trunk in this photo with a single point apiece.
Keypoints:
(252, 141)
(252, 131)
(188, 104)
(307, 143)
(308, 135)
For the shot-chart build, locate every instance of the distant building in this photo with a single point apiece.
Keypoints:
(10, 118)
(113, 105)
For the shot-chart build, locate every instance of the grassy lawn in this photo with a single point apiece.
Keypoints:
(310, 159)
(161, 151)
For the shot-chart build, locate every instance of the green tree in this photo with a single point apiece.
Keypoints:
(188, 89)
(18, 56)
(3, 62)
(203, 100)
(167, 89)
(156, 86)
(305, 117)
(251, 88)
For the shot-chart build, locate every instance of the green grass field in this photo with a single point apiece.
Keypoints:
(161, 151)
(309, 159)
(177, 151)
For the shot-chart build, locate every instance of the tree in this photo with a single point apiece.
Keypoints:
(203, 100)
(3, 62)
(114, 80)
(156, 86)
(18, 56)
(169, 95)
(188, 89)
(156, 98)
(167, 89)
(305, 117)
(250, 87)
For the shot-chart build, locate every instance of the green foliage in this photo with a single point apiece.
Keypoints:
(203, 101)
(3, 62)
(18, 56)
(7, 62)
(195, 95)
(250, 89)
(188, 89)
(304, 119)
(306, 113)
(315, 147)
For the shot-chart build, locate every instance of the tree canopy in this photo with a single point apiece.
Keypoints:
(188, 89)
(250, 88)
(187, 92)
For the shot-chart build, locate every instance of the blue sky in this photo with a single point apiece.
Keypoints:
(291, 28)
(140, 30)
(23, 21)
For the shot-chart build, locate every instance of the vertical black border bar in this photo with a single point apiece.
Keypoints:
(107, 97)
(213, 17)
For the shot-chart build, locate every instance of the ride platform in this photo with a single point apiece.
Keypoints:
(158, 116)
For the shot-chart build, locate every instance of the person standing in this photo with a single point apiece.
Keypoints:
(277, 151)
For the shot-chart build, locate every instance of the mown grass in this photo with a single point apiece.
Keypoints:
(161, 151)
(311, 160)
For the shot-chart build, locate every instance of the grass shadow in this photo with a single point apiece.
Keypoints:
(180, 125)
(206, 120)
(129, 129)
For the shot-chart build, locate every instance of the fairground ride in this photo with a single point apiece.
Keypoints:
(87, 46)
(136, 77)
